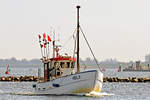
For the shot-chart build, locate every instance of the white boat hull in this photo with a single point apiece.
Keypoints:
(83, 82)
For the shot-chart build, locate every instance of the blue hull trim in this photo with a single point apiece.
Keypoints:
(87, 71)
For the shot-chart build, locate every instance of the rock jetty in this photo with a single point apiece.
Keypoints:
(129, 79)
(105, 79)
(19, 78)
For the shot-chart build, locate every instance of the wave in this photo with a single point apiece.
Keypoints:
(91, 94)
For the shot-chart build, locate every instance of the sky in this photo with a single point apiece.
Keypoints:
(117, 29)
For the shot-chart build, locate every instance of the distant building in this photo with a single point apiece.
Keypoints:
(138, 67)
(147, 58)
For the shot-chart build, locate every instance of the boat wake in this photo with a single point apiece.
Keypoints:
(92, 94)
(98, 94)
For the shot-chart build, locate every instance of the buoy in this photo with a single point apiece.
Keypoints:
(7, 71)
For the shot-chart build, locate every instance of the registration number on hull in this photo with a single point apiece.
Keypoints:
(76, 77)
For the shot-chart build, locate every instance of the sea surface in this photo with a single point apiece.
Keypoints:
(110, 91)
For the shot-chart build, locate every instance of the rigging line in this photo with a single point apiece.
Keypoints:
(68, 40)
(85, 66)
(75, 39)
(90, 49)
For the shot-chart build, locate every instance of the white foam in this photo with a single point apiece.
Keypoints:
(23, 93)
(91, 94)
(98, 94)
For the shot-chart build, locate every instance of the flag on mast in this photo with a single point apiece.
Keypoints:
(44, 35)
(41, 45)
(39, 36)
(44, 45)
(49, 39)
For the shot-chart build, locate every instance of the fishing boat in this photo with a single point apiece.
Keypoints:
(60, 76)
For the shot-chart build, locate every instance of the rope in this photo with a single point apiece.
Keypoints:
(90, 49)
(68, 40)
(74, 46)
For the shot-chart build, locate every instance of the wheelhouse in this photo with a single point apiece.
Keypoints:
(59, 66)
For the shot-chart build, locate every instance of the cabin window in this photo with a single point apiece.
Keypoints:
(68, 65)
(58, 73)
(72, 65)
(62, 64)
(56, 64)
(50, 64)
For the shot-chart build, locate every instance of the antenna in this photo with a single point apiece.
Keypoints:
(54, 44)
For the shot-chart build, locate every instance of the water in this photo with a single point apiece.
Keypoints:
(121, 91)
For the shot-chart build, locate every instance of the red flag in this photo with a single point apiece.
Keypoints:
(41, 45)
(45, 41)
(39, 36)
(49, 39)
(44, 45)
(44, 35)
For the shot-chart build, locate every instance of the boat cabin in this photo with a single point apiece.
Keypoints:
(58, 67)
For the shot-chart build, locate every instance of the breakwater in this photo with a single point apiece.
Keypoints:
(129, 79)
(19, 78)
(36, 79)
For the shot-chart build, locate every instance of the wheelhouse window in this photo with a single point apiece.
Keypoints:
(56, 64)
(68, 65)
(62, 64)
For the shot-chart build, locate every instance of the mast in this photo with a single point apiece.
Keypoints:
(54, 49)
(54, 45)
(78, 26)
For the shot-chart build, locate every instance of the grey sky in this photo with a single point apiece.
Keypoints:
(115, 28)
